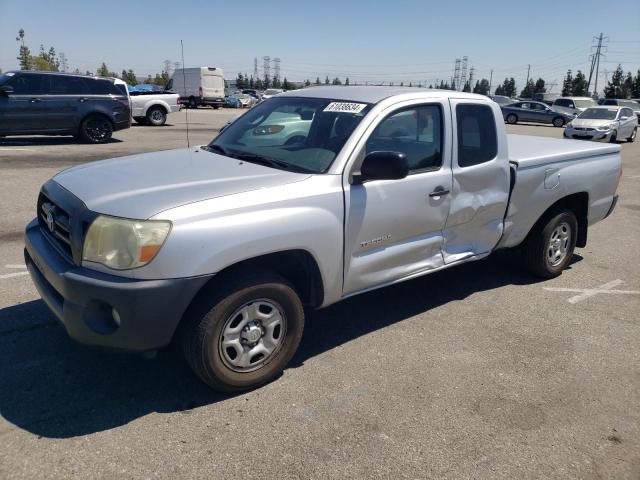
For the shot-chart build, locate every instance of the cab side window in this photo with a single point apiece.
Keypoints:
(67, 85)
(414, 131)
(477, 136)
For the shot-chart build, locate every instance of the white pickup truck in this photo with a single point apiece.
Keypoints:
(308, 198)
(149, 106)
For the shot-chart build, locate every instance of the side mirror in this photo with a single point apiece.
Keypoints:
(382, 166)
(6, 90)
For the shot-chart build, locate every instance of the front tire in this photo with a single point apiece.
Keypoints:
(614, 138)
(246, 334)
(632, 138)
(558, 122)
(156, 116)
(550, 245)
(96, 129)
(512, 119)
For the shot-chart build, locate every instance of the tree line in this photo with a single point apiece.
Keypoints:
(619, 86)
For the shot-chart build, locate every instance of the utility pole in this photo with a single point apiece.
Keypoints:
(528, 71)
(595, 63)
(490, 80)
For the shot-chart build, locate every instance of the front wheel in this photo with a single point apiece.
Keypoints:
(614, 138)
(549, 248)
(558, 122)
(632, 138)
(244, 336)
(96, 129)
(512, 119)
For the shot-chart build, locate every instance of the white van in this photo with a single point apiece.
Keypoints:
(198, 86)
(572, 105)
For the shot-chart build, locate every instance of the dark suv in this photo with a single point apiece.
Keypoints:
(52, 103)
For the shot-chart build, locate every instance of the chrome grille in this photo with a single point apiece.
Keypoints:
(55, 223)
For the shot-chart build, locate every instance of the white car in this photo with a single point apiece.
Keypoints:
(572, 105)
(271, 92)
(606, 124)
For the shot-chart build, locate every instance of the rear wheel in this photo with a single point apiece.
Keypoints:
(216, 107)
(156, 116)
(192, 103)
(245, 335)
(632, 138)
(96, 129)
(558, 122)
(549, 247)
(512, 119)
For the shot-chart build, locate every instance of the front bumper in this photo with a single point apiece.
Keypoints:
(147, 312)
(597, 135)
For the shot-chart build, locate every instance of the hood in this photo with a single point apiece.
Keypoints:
(590, 123)
(140, 186)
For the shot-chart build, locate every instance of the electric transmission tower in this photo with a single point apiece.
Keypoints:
(276, 70)
(266, 68)
(595, 62)
(456, 75)
(463, 73)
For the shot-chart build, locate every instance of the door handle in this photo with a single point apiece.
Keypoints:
(34, 100)
(439, 192)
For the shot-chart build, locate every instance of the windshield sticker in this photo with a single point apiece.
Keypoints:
(345, 107)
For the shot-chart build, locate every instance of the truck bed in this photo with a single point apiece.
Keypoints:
(529, 151)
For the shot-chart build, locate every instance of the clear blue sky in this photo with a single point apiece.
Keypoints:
(400, 40)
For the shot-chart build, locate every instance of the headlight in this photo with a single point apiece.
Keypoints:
(603, 128)
(122, 244)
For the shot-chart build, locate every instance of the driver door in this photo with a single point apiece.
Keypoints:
(394, 228)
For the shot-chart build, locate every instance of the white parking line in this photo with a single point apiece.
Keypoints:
(5, 149)
(11, 275)
(585, 293)
(15, 266)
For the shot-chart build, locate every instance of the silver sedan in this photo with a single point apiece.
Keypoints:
(536, 112)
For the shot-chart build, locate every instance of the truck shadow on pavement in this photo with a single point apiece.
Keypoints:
(52, 387)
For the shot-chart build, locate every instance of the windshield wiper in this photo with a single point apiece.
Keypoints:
(217, 148)
(269, 162)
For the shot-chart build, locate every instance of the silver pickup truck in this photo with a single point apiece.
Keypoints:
(310, 197)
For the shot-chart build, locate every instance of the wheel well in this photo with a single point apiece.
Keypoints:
(157, 105)
(297, 266)
(96, 114)
(578, 203)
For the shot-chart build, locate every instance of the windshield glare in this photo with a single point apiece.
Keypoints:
(598, 114)
(585, 103)
(295, 133)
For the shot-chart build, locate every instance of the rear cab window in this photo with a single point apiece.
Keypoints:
(477, 135)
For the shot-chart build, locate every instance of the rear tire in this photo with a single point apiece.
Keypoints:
(512, 119)
(632, 138)
(254, 313)
(192, 103)
(550, 245)
(216, 107)
(96, 129)
(156, 116)
(558, 122)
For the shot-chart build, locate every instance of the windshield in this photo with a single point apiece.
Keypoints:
(585, 103)
(299, 134)
(4, 78)
(598, 114)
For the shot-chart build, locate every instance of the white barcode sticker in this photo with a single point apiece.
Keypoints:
(345, 107)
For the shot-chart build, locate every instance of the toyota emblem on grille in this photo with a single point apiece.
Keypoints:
(48, 210)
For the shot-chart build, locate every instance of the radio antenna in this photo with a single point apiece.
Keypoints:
(184, 87)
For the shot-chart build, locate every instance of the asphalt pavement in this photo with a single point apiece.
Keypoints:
(480, 371)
